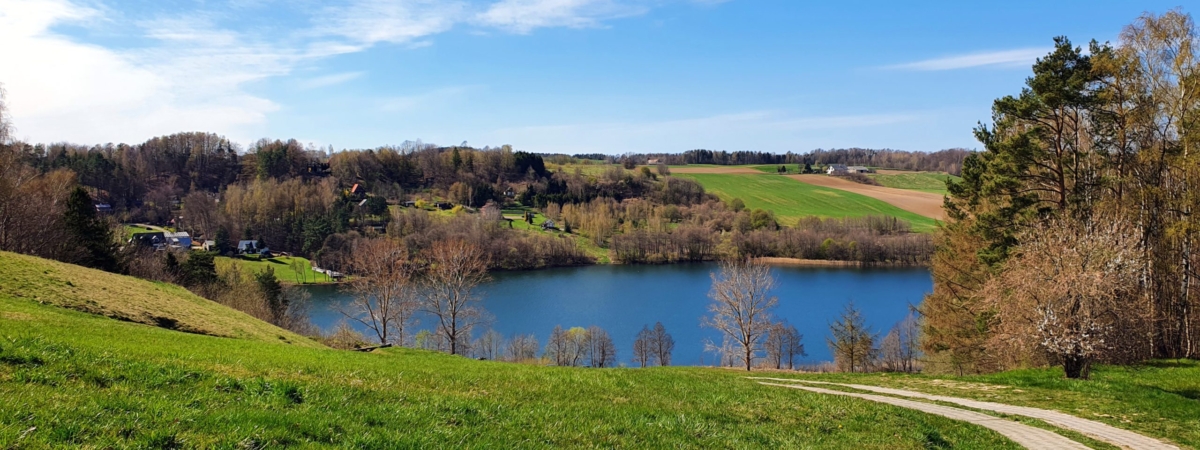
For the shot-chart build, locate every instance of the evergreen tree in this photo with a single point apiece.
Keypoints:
(91, 238)
(199, 269)
(272, 292)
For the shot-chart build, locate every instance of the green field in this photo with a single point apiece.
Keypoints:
(282, 265)
(791, 199)
(586, 245)
(917, 181)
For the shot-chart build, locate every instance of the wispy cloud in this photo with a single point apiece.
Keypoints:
(434, 98)
(369, 22)
(523, 16)
(1022, 57)
(329, 80)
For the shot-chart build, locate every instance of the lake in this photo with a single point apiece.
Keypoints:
(623, 298)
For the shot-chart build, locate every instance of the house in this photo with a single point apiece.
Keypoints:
(152, 239)
(209, 246)
(859, 169)
(180, 239)
(653, 162)
(444, 205)
(354, 189)
(509, 192)
(363, 202)
(548, 225)
(247, 247)
(409, 204)
(836, 169)
(103, 208)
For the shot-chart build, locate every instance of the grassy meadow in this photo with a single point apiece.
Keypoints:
(916, 181)
(285, 268)
(791, 199)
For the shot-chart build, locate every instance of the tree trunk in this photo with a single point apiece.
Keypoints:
(1077, 367)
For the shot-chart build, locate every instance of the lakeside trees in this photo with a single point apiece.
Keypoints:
(741, 304)
(1088, 174)
(456, 268)
(383, 289)
(852, 342)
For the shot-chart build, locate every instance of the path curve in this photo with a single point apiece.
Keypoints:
(1096, 430)
(926, 204)
(1025, 435)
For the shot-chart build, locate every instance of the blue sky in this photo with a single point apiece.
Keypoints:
(570, 76)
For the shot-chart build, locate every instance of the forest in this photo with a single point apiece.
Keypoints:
(1072, 237)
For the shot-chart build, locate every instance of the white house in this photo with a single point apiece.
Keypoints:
(180, 239)
(835, 169)
(247, 247)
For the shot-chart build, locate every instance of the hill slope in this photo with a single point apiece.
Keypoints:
(130, 299)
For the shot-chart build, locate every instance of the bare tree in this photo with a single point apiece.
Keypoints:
(662, 344)
(456, 269)
(489, 346)
(782, 345)
(602, 352)
(383, 291)
(643, 349)
(522, 348)
(899, 348)
(5, 121)
(853, 344)
(742, 304)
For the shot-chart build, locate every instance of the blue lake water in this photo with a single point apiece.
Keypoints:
(622, 298)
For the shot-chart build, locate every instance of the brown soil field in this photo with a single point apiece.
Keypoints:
(923, 203)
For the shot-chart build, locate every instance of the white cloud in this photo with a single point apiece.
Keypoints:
(522, 16)
(329, 80)
(1023, 57)
(393, 21)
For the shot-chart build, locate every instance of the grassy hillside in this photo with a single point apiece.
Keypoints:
(129, 299)
(917, 181)
(792, 200)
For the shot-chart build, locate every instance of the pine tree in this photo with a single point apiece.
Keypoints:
(92, 239)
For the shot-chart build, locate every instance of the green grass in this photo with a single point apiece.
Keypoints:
(128, 299)
(586, 245)
(130, 230)
(791, 199)
(917, 181)
(1160, 398)
(282, 266)
(69, 378)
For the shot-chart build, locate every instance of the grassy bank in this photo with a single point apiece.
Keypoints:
(792, 200)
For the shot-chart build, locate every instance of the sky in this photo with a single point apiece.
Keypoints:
(549, 76)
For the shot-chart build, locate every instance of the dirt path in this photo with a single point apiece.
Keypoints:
(924, 203)
(1090, 428)
(1025, 435)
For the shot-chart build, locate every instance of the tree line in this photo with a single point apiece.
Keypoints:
(1072, 236)
(949, 160)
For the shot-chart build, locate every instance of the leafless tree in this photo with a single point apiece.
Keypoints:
(899, 348)
(853, 343)
(456, 269)
(643, 347)
(662, 344)
(782, 345)
(601, 352)
(489, 346)
(5, 121)
(382, 288)
(741, 304)
(522, 348)
(726, 353)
